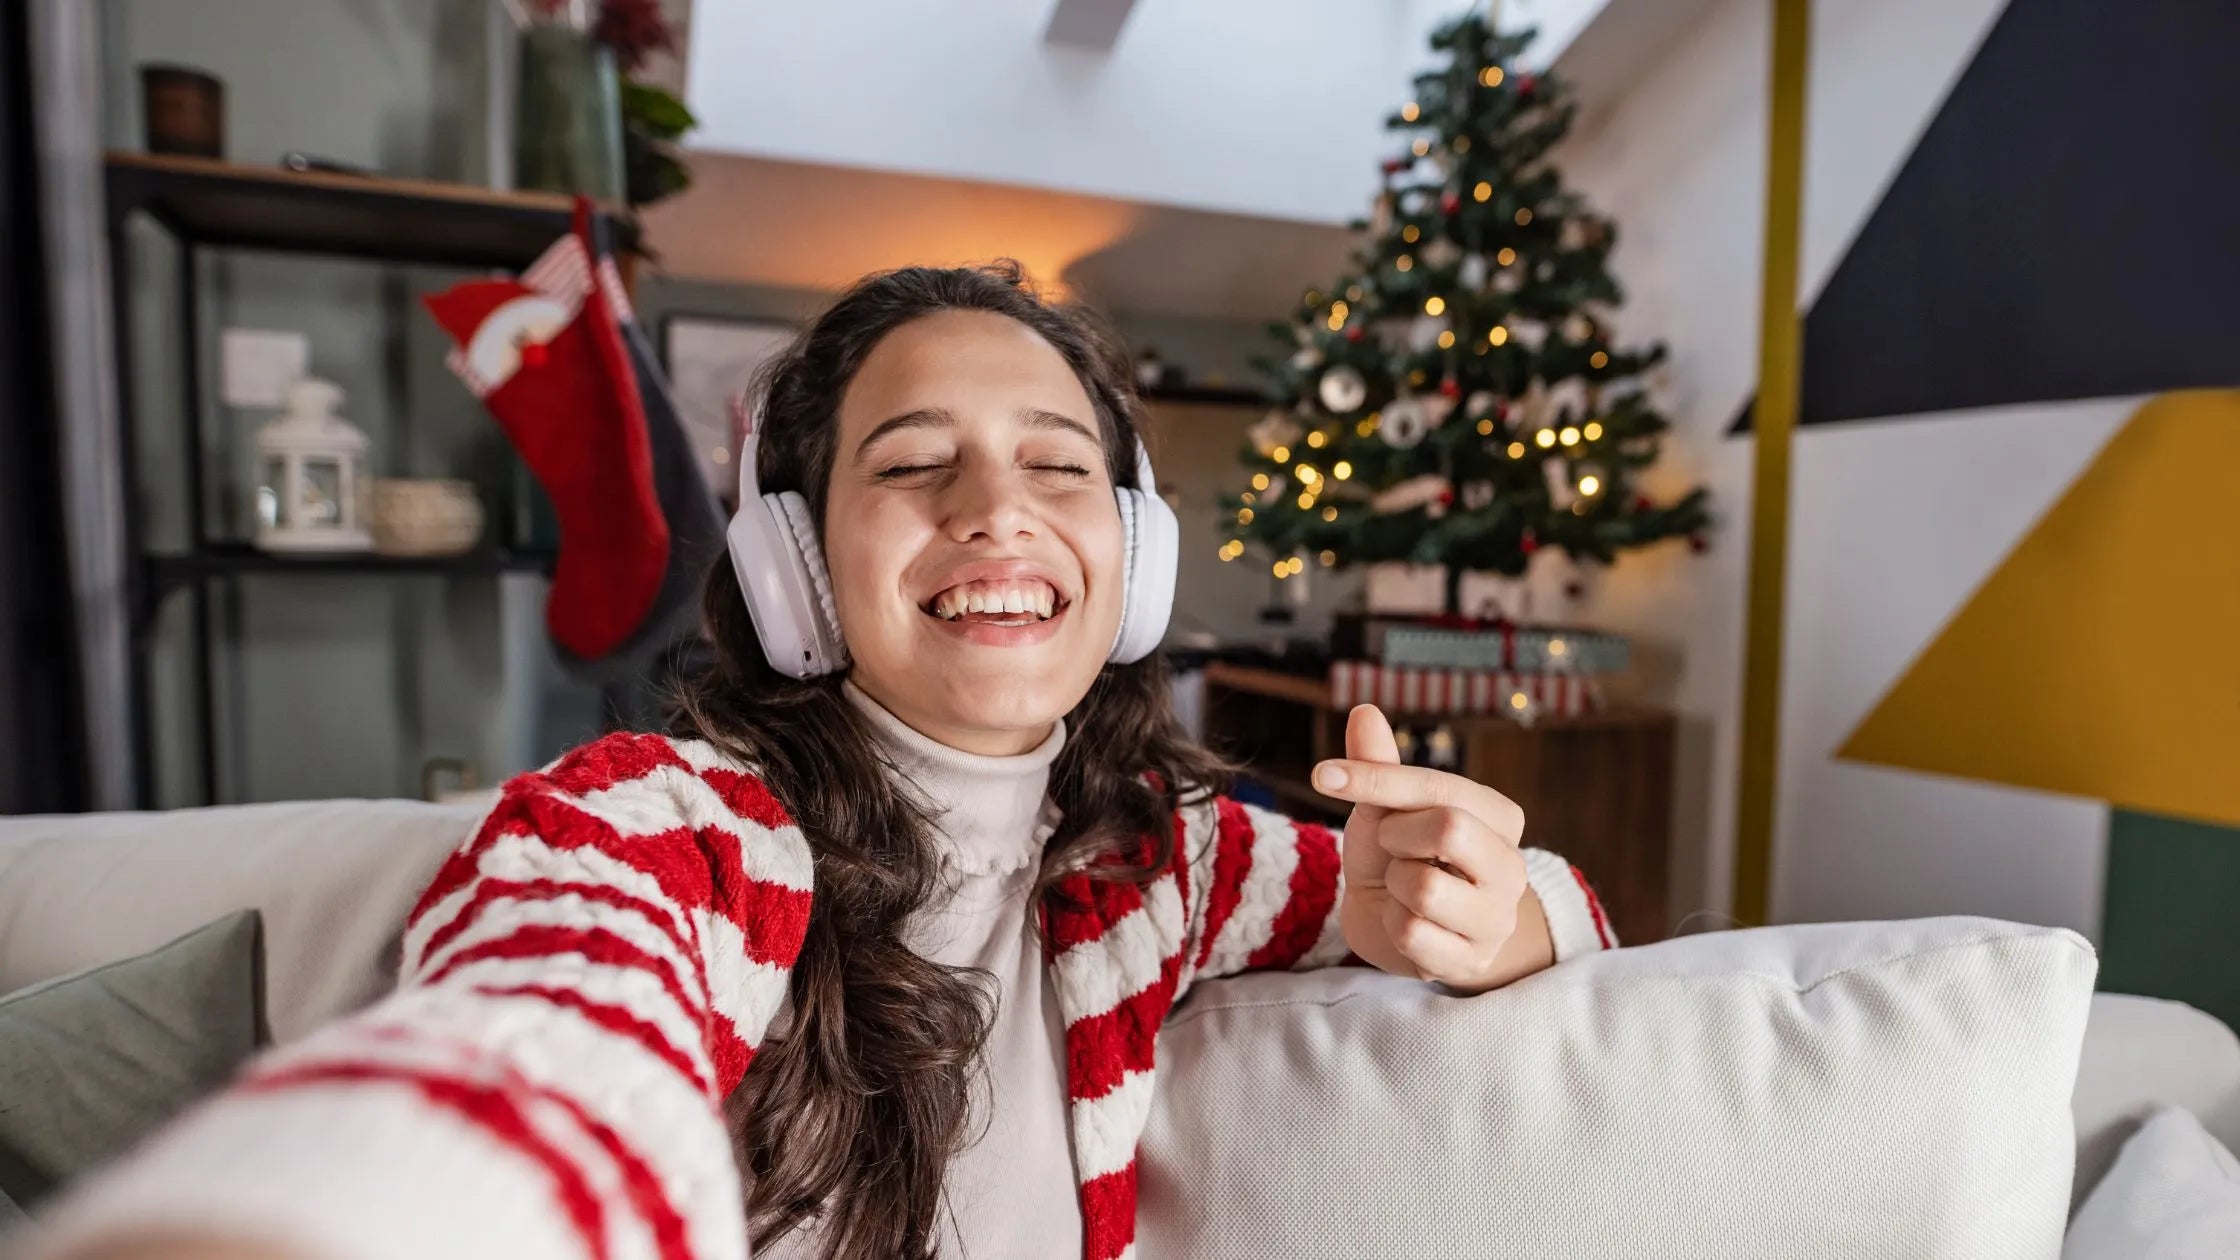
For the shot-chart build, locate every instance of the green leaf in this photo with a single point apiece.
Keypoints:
(655, 111)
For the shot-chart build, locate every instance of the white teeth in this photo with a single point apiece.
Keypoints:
(1038, 599)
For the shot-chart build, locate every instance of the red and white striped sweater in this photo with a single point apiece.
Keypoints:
(591, 973)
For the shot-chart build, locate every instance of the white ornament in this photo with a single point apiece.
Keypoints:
(1473, 271)
(1481, 403)
(1307, 359)
(1573, 235)
(1438, 406)
(1578, 328)
(1508, 280)
(1380, 216)
(1441, 253)
(1277, 485)
(1342, 390)
(1423, 332)
(1406, 422)
(1477, 495)
(1561, 493)
(1424, 492)
(1274, 430)
(1150, 371)
(1529, 333)
(1531, 408)
(1567, 402)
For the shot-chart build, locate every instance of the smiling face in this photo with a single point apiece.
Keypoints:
(971, 533)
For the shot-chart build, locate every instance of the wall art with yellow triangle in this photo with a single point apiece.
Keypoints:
(2102, 659)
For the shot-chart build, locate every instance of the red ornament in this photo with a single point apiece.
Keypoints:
(1698, 544)
(1449, 202)
(1501, 411)
(1451, 388)
(1356, 333)
(1529, 543)
(1446, 496)
(1641, 503)
(1393, 166)
(1527, 84)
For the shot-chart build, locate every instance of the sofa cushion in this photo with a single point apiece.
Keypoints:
(93, 1062)
(332, 880)
(2174, 1194)
(1827, 1090)
(2142, 1054)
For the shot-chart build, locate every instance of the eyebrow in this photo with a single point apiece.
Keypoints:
(943, 418)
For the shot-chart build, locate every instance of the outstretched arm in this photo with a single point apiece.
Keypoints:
(584, 981)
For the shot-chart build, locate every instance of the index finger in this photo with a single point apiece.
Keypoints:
(1417, 787)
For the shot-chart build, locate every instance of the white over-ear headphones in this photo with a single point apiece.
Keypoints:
(780, 563)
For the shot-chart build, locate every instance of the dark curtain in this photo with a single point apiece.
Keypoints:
(42, 740)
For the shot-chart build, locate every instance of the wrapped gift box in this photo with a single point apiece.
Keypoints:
(1412, 690)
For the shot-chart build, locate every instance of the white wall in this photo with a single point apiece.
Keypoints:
(1679, 163)
(1897, 522)
(1264, 107)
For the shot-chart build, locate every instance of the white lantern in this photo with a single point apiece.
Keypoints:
(311, 475)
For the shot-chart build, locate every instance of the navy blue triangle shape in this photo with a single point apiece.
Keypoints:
(2065, 228)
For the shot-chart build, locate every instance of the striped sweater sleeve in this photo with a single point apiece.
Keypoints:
(584, 981)
(1266, 890)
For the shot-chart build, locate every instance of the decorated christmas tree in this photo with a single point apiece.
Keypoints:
(1460, 399)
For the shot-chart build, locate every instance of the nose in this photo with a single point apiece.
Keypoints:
(989, 500)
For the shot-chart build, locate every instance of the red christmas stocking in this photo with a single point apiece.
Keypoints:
(545, 356)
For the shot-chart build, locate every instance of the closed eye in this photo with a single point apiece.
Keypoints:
(1071, 470)
(906, 470)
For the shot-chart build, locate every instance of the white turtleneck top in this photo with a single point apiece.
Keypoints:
(1012, 1192)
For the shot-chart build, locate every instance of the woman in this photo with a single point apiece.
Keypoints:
(891, 928)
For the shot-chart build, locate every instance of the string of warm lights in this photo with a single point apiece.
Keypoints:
(1463, 384)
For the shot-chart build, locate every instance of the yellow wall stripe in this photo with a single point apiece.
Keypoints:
(1774, 424)
(2102, 657)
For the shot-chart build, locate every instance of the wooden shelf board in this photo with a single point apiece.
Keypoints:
(220, 558)
(374, 217)
(1315, 693)
(1206, 395)
(1297, 688)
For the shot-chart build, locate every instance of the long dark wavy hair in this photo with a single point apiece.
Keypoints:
(849, 1118)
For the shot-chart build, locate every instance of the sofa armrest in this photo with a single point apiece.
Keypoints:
(2141, 1053)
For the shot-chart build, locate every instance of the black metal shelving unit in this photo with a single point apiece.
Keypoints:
(205, 204)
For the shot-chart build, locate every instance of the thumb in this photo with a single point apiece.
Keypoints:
(1369, 736)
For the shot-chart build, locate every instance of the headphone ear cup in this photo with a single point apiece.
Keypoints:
(829, 652)
(1128, 582)
(1147, 595)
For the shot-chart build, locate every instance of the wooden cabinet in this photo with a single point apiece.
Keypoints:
(1597, 789)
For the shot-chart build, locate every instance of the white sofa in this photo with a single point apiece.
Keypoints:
(1861, 1089)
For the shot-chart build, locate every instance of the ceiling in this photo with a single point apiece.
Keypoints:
(798, 225)
(783, 223)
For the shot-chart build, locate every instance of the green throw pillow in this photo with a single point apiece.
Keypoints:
(91, 1063)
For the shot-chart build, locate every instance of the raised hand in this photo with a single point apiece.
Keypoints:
(1434, 885)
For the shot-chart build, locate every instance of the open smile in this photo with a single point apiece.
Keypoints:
(999, 609)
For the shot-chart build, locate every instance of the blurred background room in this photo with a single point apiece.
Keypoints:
(1813, 499)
